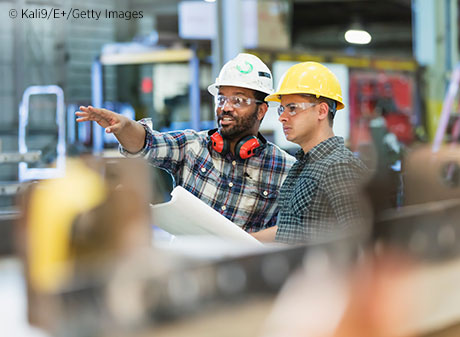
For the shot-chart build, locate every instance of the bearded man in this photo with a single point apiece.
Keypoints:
(233, 168)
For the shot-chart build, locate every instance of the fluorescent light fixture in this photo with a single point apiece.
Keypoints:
(357, 36)
(210, 0)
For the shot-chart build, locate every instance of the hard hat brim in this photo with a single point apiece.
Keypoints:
(276, 97)
(213, 89)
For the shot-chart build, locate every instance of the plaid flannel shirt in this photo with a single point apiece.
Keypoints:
(321, 195)
(244, 191)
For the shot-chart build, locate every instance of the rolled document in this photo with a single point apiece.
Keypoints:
(185, 214)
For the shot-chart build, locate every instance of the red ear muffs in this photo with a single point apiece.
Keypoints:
(246, 146)
(219, 144)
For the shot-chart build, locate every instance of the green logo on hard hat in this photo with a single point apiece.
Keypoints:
(246, 69)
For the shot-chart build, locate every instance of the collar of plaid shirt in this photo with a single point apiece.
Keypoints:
(321, 150)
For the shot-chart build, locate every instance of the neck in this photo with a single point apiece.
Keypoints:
(319, 138)
(232, 146)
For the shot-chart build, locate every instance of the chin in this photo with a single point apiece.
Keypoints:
(288, 137)
(227, 132)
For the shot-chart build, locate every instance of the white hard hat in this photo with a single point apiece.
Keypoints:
(245, 71)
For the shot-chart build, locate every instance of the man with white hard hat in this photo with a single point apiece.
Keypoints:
(233, 168)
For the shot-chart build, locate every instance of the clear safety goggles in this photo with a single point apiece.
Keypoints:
(234, 101)
(293, 108)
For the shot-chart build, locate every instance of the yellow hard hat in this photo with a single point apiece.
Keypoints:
(53, 207)
(309, 78)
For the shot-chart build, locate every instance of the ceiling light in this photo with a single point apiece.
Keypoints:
(357, 36)
(210, 0)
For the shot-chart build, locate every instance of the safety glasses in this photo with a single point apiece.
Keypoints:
(234, 101)
(293, 108)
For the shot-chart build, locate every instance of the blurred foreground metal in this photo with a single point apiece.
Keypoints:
(111, 281)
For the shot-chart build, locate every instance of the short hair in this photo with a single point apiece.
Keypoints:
(332, 104)
(260, 96)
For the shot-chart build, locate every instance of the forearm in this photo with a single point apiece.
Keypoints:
(131, 136)
(266, 235)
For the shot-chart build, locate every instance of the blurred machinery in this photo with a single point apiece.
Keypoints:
(9, 215)
(92, 271)
(74, 228)
(35, 155)
(433, 174)
(59, 146)
(396, 287)
(431, 177)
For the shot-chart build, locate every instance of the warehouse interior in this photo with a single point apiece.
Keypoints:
(81, 249)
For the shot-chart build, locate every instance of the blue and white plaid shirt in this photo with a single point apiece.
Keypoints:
(322, 195)
(244, 191)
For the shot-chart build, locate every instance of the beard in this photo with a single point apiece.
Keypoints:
(241, 125)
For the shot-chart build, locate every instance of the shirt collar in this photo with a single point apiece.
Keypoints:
(321, 150)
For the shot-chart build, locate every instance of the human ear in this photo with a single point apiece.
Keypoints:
(261, 111)
(323, 110)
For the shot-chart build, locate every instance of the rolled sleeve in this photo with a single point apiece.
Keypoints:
(147, 124)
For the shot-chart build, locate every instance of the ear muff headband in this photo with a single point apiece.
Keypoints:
(244, 148)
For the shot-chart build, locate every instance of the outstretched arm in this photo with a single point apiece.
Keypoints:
(130, 134)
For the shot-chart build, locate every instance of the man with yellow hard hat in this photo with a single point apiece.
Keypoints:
(320, 196)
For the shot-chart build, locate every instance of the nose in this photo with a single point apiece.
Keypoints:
(224, 108)
(283, 117)
(227, 105)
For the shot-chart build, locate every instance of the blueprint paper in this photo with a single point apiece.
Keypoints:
(185, 214)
